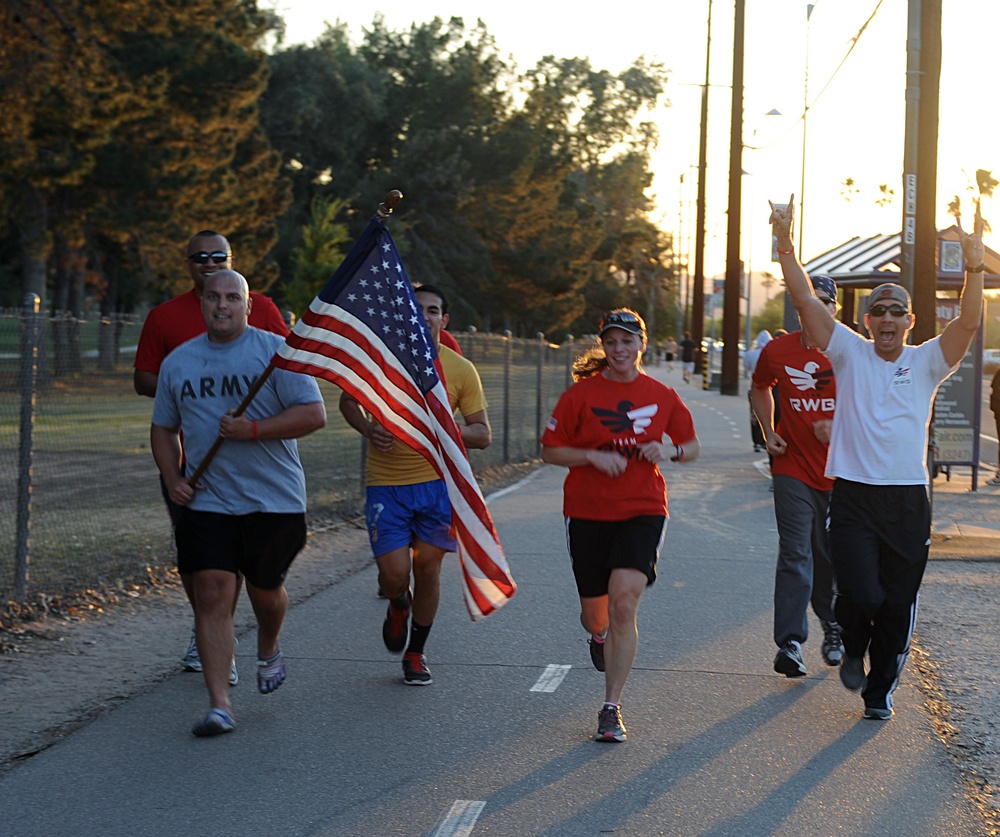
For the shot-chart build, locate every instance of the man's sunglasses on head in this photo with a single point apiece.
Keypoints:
(218, 257)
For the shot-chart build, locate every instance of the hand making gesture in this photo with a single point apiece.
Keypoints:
(972, 243)
(781, 222)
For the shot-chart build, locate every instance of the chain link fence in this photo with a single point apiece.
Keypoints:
(80, 503)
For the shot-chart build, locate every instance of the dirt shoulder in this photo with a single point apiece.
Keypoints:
(956, 651)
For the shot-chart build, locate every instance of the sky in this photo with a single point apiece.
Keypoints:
(854, 125)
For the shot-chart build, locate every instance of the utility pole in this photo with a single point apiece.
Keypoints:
(911, 144)
(698, 290)
(730, 384)
(925, 247)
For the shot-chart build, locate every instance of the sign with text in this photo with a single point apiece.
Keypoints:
(956, 405)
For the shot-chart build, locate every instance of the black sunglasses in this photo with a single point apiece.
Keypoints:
(619, 318)
(880, 310)
(218, 257)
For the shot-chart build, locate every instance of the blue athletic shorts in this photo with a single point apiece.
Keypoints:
(399, 514)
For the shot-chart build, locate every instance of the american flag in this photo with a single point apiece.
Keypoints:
(366, 333)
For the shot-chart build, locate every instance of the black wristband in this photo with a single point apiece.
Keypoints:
(980, 269)
(678, 454)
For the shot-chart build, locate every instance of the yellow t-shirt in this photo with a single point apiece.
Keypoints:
(404, 466)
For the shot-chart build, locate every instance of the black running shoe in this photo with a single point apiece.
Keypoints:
(396, 625)
(596, 653)
(788, 661)
(852, 673)
(415, 671)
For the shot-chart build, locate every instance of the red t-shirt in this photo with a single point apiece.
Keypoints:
(180, 319)
(450, 342)
(598, 414)
(806, 393)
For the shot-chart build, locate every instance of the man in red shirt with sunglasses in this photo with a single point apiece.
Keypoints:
(179, 319)
(175, 322)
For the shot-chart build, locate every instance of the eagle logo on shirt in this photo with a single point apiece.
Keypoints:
(627, 417)
(809, 377)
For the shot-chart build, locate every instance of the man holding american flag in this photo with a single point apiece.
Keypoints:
(407, 504)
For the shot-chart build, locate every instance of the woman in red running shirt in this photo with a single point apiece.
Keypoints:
(612, 424)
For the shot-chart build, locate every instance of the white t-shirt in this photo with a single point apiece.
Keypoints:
(879, 434)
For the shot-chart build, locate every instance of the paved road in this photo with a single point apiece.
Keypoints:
(718, 743)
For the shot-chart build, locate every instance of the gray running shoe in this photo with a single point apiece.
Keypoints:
(832, 648)
(874, 713)
(270, 673)
(788, 661)
(610, 726)
(191, 661)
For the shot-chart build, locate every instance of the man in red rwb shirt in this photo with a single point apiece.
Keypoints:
(803, 379)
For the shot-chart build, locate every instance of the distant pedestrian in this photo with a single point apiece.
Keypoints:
(670, 352)
(610, 430)
(879, 509)
(688, 347)
(749, 364)
(797, 444)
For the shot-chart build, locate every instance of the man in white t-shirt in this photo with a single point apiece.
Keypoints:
(879, 509)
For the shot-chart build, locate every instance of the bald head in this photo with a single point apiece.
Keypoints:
(225, 305)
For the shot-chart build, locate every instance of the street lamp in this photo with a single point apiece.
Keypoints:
(749, 264)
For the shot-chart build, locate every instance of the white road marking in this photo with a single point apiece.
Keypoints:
(461, 819)
(551, 678)
(496, 495)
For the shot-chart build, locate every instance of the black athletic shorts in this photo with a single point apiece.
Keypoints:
(262, 546)
(596, 547)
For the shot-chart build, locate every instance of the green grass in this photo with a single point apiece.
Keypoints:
(97, 511)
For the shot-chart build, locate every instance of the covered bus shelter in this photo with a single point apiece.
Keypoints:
(861, 264)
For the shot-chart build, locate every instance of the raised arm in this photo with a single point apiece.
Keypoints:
(960, 332)
(813, 314)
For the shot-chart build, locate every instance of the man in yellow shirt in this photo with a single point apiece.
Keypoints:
(407, 505)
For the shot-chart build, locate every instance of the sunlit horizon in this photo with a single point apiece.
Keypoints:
(855, 127)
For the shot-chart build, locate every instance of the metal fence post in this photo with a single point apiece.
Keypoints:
(568, 346)
(508, 348)
(29, 379)
(539, 404)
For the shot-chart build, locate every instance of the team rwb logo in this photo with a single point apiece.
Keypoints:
(809, 377)
(627, 417)
(901, 377)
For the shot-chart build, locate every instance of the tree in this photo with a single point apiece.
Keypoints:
(325, 242)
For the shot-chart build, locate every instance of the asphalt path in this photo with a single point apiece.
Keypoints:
(501, 743)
